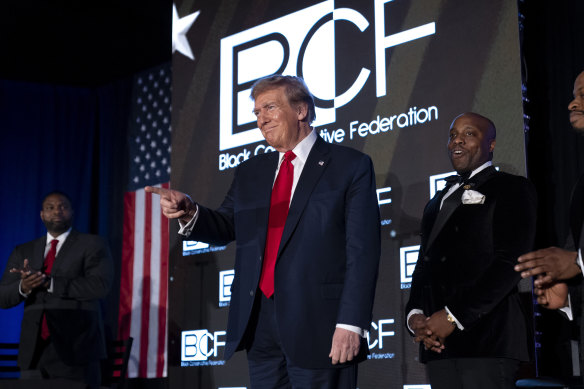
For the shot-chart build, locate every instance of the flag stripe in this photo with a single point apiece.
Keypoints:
(137, 269)
(153, 322)
(127, 274)
(146, 284)
(163, 300)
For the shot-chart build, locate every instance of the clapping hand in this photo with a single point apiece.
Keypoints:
(30, 279)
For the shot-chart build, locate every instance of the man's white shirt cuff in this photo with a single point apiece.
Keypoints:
(186, 229)
(568, 309)
(25, 295)
(460, 327)
(413, 312)
(362, 333)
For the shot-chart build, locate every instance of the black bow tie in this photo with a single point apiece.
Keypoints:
(457, 178)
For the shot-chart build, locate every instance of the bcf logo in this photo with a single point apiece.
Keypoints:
(301, 44)
(408, 257)
(199, 345)
(379, 331)
(225, 281)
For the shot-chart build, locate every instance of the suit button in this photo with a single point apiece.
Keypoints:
(443, 259)
(251, 292)
(260, 258)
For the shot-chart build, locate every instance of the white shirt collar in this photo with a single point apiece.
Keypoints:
(303, 148)
(61, 238)
(481, 168)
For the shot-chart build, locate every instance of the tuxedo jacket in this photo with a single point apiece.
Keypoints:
(577, 214)
(466, 263)
(576, 285)
(82, 274)
(327, 263)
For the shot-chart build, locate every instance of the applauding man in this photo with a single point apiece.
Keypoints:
(60, 277)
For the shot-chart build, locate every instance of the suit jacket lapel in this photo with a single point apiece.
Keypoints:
(38, 259)
(577, 212)
(444, 213)
(64, 250)
(314, 167)
(447, 211)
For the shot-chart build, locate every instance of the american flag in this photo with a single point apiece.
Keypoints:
(144, 278)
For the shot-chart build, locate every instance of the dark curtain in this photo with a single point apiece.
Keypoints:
(553, 55)
(68, 139)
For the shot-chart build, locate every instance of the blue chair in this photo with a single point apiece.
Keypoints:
(541, 382)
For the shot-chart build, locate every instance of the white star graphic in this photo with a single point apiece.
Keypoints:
(180, 26)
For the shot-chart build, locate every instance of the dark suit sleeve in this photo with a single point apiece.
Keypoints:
(575, 284)
(9, 294)
(95, 277)
(217, 226)
(419, 291)
(420, 284)
(362, 247)
(576, 289)
(513, 234)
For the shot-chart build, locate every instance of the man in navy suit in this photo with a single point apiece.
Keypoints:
(318, 247)
(62, 333)
(464, 306)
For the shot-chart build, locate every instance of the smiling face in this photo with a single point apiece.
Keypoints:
(56, 214)
(471, 142)
(282, 124)
(576, 106)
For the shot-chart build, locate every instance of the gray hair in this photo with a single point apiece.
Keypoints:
(295, 88)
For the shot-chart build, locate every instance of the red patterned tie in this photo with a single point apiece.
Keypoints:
(279, 205)
(49, 260)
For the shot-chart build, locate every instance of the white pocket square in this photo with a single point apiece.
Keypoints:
(472, 197)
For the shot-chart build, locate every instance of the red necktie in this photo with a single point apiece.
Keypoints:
(49, 260)
(279, 205)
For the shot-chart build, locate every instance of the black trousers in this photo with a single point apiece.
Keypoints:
(473, 373)
(269, 366)
(47, 365)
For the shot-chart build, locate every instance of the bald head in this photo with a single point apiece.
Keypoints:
(486, 124)
(471, 141)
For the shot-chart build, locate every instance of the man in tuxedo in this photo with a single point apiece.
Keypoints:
(306, 224)
(60, 277)
(554, 268)
(464, 307)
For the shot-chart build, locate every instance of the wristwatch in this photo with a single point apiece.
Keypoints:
(450, 318)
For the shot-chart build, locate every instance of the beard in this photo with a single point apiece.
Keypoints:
(57, 227)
